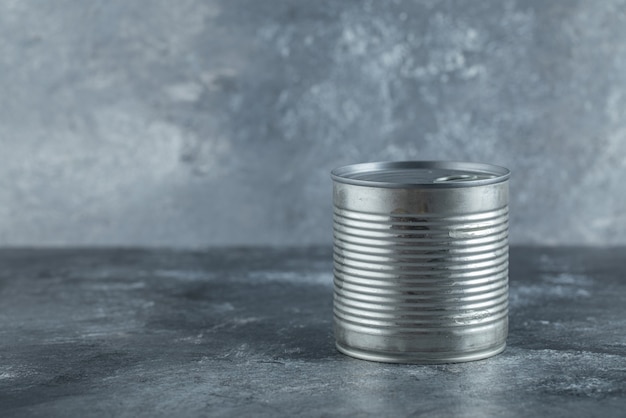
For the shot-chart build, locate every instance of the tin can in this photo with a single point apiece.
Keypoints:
(420, 261)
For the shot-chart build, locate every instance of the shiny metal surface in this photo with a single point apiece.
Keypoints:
(421, 261)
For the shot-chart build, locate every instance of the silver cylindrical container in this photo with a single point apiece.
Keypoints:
(421, 261)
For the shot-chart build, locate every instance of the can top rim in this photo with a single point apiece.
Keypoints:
(420, 174)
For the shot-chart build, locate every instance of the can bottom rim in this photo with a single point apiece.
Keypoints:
(419, 358)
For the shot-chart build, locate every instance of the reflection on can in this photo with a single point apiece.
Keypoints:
(421, 261)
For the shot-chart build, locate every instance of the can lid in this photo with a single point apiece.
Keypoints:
(420, 174)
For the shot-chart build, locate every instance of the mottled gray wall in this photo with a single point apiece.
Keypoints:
(192, 123)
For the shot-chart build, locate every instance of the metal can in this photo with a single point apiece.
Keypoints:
(421, 261)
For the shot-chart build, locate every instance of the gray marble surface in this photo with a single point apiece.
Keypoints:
(160, 123)
(247, 332)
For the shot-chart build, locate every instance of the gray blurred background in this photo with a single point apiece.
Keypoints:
(194, 123)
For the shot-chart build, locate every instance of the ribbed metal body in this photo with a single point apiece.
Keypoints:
(421, 266)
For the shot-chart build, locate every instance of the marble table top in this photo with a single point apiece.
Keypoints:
(248, 332)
